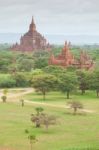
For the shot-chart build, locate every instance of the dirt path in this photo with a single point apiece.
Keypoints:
(15, 97)
(55, 106)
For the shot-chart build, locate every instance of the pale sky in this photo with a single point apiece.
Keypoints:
(51, 16)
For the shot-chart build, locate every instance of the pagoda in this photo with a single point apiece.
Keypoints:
(67, 59)
(32, 40)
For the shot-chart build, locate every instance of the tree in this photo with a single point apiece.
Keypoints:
(21, 79)
(83, 80)
(94, 81)
(36, 72)
(36, 119)
(25, 64)
(48, 120)
(41, 63)
(75, 105)
(44, 83)
(4, 98)
(22, 102)
(13, 68)
(55, 70)
(6, 81)
(43, 119)
(32, 139)
(39, 110)
(5, 91)
(68, 83)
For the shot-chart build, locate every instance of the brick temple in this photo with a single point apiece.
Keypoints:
(32, 40)
(67, 59)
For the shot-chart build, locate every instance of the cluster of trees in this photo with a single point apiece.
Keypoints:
(14, 80)
(26, 62)
(24, 70)
(60, 79)
(42, 119)
(53, 78)
(18, 62)
(39, 119)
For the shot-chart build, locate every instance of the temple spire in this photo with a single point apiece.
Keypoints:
(32, 27)
(65, 43)
(65, 46)
(32, 20)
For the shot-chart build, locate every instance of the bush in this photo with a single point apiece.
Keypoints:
(21, 80)
(6, 81)
(4, 98)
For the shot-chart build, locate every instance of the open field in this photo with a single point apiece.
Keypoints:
(78, 132)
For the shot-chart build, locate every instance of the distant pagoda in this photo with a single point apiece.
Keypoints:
(31, 41)
(66, 59)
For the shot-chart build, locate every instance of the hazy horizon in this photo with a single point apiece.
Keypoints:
(58, 17)
(58, 39)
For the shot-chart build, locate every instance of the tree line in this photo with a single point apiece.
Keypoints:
(53, 78)
(11, 62)
(59, 79)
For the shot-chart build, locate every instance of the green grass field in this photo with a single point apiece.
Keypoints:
(80, 132)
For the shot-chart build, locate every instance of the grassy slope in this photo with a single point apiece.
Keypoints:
(70, 132)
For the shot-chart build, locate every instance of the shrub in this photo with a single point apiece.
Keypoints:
(6, 81)
(4, 98)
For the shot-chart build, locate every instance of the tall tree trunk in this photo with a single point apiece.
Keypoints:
(67, 94)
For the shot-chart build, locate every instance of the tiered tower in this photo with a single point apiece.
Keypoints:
(32, 40)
